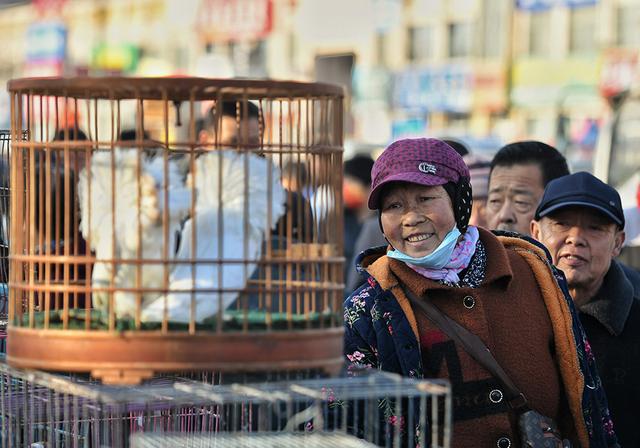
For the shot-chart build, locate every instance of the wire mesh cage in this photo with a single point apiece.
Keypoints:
(376, 409)
(4, 234)
(175, 225)
(5, 141)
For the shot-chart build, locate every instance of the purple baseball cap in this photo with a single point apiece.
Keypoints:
(423, 161)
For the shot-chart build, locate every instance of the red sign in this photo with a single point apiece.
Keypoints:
(47, 8)
(619, 71)
(234, 20)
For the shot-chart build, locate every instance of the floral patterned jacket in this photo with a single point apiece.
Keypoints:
(378, 336)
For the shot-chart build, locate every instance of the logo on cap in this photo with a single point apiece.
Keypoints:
(427, 168)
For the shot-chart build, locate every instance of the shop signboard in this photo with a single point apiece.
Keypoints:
(542, 82)
(48, 7)
(446, 88)
(46, 48)
(541, 5)
(121, 58)
(489, 87)
(456, 88)
(234, 20)
(46, 42)
(619, 71)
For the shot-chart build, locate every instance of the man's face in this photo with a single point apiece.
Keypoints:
(582, 243)
(232, 133)
(514, 194)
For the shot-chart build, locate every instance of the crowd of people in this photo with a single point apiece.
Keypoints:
(520, 253)
(516, 250)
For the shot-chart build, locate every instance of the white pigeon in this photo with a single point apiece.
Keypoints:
(235, 194)
(116, 228)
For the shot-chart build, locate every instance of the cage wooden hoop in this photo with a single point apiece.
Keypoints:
(279, 310)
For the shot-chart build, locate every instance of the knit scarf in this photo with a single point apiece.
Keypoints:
(460, 259)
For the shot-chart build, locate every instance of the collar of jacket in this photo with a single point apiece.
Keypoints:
(612, 303)
(498, 267)
(380, 267)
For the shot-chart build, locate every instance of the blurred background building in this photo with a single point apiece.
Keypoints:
(484, 71)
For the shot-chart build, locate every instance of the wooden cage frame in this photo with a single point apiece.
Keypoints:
(133, 355)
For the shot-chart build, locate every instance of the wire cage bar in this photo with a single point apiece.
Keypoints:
(175, 224)
(5, 138)
(5, 151)
(374, 409)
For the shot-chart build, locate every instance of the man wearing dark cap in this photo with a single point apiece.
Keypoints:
(580, 220)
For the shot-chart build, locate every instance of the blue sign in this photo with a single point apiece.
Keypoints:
(580, 3)
(447, 88)
(410, 128)
(46, 42)
(541, 5)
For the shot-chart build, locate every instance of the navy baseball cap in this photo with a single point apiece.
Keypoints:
(584, 190)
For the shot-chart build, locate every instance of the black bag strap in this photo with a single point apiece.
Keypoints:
(473, 345)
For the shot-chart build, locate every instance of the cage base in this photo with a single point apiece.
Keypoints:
(130, 357)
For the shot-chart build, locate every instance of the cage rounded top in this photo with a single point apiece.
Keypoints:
(178, 89)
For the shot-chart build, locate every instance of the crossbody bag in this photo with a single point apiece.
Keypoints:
(536, 430)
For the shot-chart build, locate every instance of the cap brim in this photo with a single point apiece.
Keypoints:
(409, 177)
(565, 204)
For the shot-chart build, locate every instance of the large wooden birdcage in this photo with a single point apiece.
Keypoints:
(174, 225)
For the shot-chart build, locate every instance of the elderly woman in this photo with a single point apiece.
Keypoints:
(500, 288)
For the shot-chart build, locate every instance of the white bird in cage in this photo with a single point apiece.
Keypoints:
(117, 226)
(235, 194)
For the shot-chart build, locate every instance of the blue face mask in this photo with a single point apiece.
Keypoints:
(436, 259)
